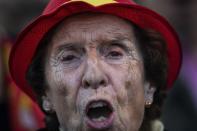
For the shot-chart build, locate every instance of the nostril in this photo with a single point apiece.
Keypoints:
(86, 84)
(103, 83)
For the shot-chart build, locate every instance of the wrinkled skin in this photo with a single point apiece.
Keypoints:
(92, 57)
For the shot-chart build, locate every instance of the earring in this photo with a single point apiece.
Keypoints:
(148, 104)
(149, 101)
(149, 94)
(46, 105)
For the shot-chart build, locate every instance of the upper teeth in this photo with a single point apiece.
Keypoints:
(97, 104)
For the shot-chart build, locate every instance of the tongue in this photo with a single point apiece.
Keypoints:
(100, 118)
(99, 113)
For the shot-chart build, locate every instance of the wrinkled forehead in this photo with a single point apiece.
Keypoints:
(105, 25)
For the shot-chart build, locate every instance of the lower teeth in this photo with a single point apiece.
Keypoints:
(101, 118)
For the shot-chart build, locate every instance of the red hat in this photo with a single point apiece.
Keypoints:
(25, 46)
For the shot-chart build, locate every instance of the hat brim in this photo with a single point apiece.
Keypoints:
(28, 40)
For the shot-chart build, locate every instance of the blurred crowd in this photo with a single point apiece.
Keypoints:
(19, 113)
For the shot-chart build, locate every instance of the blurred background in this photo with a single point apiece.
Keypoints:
(19, 113)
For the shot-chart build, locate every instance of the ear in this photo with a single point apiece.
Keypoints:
(47, 105)
(149, 92)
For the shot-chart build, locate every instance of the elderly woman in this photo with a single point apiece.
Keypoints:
(97, 65)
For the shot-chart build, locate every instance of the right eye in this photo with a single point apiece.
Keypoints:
(68, 58)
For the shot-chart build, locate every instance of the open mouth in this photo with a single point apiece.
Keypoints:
(99, 114)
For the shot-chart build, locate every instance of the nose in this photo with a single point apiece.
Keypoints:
(94, 77)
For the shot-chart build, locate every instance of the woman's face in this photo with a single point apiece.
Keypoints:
(95, 75)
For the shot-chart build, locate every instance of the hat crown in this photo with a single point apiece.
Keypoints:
(54, 4)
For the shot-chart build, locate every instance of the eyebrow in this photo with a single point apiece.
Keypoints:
(68, 46)
(118, 40)
(123, 42)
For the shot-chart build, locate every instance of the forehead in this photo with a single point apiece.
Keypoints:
(94, 25)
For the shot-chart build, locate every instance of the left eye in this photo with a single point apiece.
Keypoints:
(114, 55)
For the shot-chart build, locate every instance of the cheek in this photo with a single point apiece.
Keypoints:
(63, 82)
(60, 89)
(134, 86)
(135, 81)
(63, 86)
(63, 89)
(135, 93)
(128, 82)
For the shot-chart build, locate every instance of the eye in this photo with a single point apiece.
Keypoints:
(68, 58)
(114, 55)
(114, 52)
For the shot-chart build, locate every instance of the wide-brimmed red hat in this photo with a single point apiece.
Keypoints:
(28, 40)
